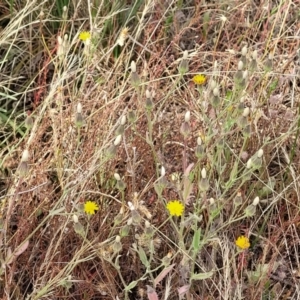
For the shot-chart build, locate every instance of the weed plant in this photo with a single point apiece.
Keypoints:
(149, 150)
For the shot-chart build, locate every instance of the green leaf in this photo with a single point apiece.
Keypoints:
(131, 285)
(196, 240)
(202, 276)
(143, 257)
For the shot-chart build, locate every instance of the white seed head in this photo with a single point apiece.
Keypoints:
(203, 173)
(231, 51)
(260, 153)
(245, 74)
(244, 51)
(147, 224)
(42, 14)
(118, 239)
(254, 55)
(118, 140)
(79, 108)
(249, 163)
(211, 201)
(117, 176)
(223, 18)
(213, 84)
(240, 65)
(185, 54)
(187, 116)
(148, 94)
(216, 91)
(123, 36)
(59, 40)
(64, 8)
(75, 218)
(130, 205)
(246, 112)
(163, 171)
(25, 155)
(133, 66)
(123, 120)
(129, 221)
(255, 201)
(271, 55)
(199, 141)
(215, 65)
(66, 37)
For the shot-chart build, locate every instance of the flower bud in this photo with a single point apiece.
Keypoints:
(79, 229)
(238, 200)
(117, 246)
(184, 65)
(29, 122)
(124, 231)
(131, 116)
(111, 151)
(120, 130)
(121, 186)
(135, 79)
(203, 183)
(136, 218)
(200, 150)
(215, 99)
(269, 63)
(79, 120)
(148, 230)
(149, 104)
(185, 129)
(250, 210)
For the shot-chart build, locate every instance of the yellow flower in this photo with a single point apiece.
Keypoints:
(90, 207)
(84, 35)
(175, 208)
(199, 79)
(242, 242)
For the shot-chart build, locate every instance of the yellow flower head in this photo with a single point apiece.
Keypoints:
(199, 79)
(175, 208)
(242, 242)
(84, 35)
(90, 207)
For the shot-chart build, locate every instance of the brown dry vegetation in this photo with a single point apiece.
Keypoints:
(46, 253)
